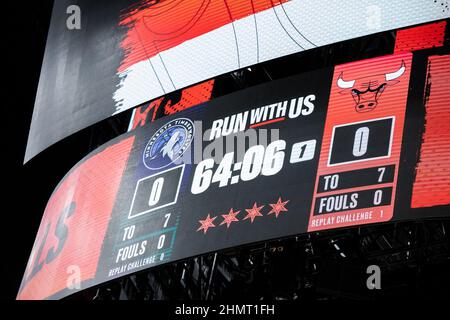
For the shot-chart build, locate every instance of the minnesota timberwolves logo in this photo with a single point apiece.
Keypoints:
(168, 144)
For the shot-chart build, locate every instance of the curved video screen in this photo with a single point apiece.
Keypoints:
(104, 57)
(364, 142)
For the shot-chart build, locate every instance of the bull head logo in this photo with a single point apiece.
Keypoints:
(367, 91)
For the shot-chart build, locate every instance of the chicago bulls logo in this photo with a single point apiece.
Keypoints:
(367, 91)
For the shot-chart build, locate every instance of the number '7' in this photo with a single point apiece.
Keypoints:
(381, 171)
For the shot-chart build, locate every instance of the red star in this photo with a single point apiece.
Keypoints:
(206, 224)
(230, 217)
(253, 212)
(278, 207)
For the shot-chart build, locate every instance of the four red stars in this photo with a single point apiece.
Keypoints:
(206, 224)
(253, 212)
(278, 207)
(230, 217)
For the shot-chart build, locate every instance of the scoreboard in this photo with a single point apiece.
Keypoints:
(330, 148)
(358, 165)
(128, 52)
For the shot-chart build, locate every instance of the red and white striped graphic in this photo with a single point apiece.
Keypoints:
(173, 44)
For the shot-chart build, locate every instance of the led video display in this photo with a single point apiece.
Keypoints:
(360, 143)
(123, 53)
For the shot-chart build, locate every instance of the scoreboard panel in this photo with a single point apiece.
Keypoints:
(362, 140)
(359, 143)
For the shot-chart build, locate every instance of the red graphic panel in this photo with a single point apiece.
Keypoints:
(74, 224)
(189, 97)
(422, 37)
(164, 25)
(144, 114)
(432, 183)
(357, 174)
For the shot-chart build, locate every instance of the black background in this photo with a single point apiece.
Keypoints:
(24, 36)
